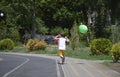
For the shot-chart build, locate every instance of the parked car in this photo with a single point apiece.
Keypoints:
(48, 38)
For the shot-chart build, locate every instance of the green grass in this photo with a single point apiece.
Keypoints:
(22, 49)
(106, 63)
(82, 53)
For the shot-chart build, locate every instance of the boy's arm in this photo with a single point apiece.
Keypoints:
(57, 37)
(67, 40)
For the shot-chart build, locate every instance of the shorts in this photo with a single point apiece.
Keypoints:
(62, 53)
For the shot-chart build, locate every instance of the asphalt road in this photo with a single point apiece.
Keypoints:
(32, 65)
(12, 65)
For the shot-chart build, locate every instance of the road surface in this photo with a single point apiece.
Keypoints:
(14, 65)
(32, 65)
(87, 68)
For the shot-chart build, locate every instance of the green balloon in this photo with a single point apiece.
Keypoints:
(83, 29)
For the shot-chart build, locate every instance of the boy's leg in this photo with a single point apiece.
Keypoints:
(63, 58)
(62, 55)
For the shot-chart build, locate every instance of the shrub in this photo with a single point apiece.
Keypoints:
(100, 46)
(30, 44)
(36, 44)
(115, 51)
(6, 44)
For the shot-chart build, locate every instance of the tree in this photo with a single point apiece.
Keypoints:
(60, 13)
(20, 15)
(74, 39)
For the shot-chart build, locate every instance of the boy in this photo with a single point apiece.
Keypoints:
(62, 45)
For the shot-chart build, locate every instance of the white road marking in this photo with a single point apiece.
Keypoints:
(16, 68)
(57, 67)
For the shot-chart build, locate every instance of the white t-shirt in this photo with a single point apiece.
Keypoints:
(62, 43)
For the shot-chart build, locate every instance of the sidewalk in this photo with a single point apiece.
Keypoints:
(86, 68)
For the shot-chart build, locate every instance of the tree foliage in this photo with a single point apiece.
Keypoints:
(41, 16)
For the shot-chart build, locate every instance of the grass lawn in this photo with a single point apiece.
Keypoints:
(82, 52)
